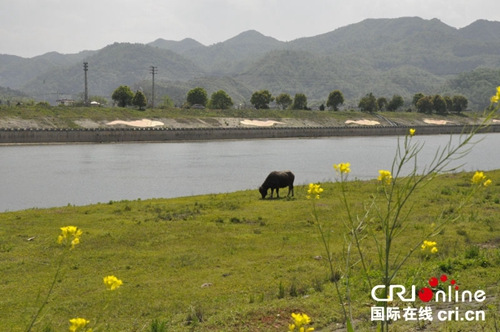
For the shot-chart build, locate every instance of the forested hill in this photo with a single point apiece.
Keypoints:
(383, 56)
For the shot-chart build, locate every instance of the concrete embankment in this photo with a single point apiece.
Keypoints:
(113, 135)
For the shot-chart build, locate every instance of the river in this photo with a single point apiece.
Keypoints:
(40, 176)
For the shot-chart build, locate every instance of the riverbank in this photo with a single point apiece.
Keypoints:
(162, 134)
(260, 260)
(107, 125)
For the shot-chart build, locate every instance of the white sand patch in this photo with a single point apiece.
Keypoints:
(259, 123)
(436, 122)
(496, 121)
(137, 123)
(363, 122)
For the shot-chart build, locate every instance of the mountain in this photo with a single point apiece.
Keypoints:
(384, 56)
(7, 94)
(179, 47)
(112, 66)
(16, 71)
(389, 43)
(224, 58)
(235, 54)
(482, 30)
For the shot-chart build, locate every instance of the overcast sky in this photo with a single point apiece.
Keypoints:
(34, 27)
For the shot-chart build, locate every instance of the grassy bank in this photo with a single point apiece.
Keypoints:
(39, 116)
(234, 262)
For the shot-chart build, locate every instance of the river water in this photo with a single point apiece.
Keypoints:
(56, 175)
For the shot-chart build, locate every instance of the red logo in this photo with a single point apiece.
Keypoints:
(425, 294)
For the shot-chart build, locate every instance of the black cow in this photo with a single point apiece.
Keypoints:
(277, 180)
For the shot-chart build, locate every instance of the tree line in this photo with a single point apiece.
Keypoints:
(198, 98)
(423, 104)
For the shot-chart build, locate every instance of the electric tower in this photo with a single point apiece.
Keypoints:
(153, 70)
(86, 95)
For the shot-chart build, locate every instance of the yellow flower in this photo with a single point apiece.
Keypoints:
(112, 282)
(385, 176)
(412, 131)
(71, 235)
(431, 245)
(75, 241)
(77, 324)
(478, 177)
(314, 189)
(342, 168)
(299, 321)
(496, 98)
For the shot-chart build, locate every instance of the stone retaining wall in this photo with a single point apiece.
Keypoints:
(111, 135)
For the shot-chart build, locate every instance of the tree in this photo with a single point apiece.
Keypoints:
(261, 99)
(439, 104)
(123, 96)
(167, 102)
(368, 103)
(220, 100)
(197, 96)
(396, 102)
(284, 100)
(425, 105)
(382, 103)
(416, 98)
(139, 100)
(335, 98)
(459, 104)
(299, 102)
(449, 103)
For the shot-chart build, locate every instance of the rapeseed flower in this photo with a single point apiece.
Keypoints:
(385, 176)
(342, 168)
(480, 179)
(71, 235)
(78, 324)
(429, 245)
(112, 282)
(496, 98)
(299, 320)
(412, 131)
(314, 190)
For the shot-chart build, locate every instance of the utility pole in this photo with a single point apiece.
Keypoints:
(153, 70)
(86, 96)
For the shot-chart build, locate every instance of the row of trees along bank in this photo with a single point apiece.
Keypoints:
(422, 103)
(198, 97)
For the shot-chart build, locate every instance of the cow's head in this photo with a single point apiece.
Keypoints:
(263, 192)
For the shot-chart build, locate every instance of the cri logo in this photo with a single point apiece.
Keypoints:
(446, 294)
(425, 294)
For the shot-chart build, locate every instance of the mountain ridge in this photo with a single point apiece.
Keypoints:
(384, 56)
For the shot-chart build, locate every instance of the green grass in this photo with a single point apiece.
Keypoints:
(257, 259)
(65, 117)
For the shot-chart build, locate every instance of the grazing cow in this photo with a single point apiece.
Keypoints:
(277, 180)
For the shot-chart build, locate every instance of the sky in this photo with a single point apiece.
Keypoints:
(33, 27)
